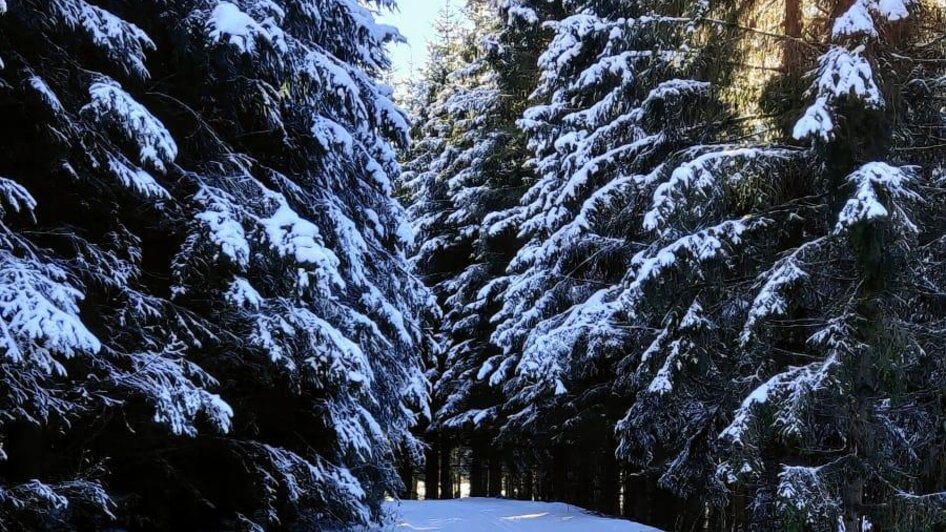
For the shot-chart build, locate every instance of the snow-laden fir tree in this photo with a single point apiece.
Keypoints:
(87, 342)
(431, 153)
(197, 201)
(842, 422)
(618, 94)
(468, 163)
(697, 272)
(438, 251)
(791, 281)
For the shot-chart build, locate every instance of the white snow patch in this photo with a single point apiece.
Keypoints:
(15, 197)
(227, 23)
(111, 105)
(527, 15)
(894, 10)
(816, 122)
(879, 189)
(136, 179)
(854, 21)
(120, 40)
(465, 515)
(293, 236)
(46, 93)
(242, 294)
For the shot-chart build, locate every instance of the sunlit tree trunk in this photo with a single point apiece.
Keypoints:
(792, 58)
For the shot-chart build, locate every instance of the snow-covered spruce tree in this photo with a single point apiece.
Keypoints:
(212, 178)
(792, 281)
(439, 251)
(844, 329)
(619, 93)
(467, 164)
(431, 153)
(89, 341)
(294, 211)
(723, 239)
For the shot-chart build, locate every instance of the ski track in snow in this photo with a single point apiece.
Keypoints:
(484, 514)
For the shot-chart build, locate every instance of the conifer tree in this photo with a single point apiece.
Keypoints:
(669, 269)
(207, 305)
(841, 429)
(822, 323)
(466, 165)
(615, 99)
(439, 250)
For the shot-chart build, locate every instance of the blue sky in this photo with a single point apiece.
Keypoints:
(415, 20)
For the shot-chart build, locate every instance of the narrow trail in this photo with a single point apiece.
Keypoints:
(499, 515)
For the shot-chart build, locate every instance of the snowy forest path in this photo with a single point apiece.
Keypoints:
(485, 514)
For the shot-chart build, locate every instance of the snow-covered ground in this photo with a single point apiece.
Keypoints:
(481, 514)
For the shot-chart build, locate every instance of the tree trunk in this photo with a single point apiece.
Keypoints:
(446, 470)
(739, 518)
(665, 510)
(853, 496)
(583, 490)
(792, 58)
(627, 493)
(528, 489)
(432, 468)
(495, 474)
(406, 472)
(512, 480)
(559, 475)
(543, 481)
(477, 477)
(609, 482)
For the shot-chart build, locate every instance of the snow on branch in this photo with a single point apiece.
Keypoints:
(38, 498)
(879, 191)
(788, 395)
(15, 197)
(223, 218)
(693, 321)
(358, 430)
(39, 315)
(803, 491)
(893, 10)
(332, 353)
(292, 236)
(176, 389)
(135, 179)
(855, 21)
(772, 300)
(847, 73)
(547, 348)
(692, 185)
(287, 476)
(227, 23)
(842, 74)
(242, 294)
(121, 41)
(694, 249)
(858, 20)
(113, 107)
